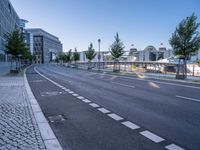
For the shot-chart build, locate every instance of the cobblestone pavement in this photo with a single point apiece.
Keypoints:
(18, 129)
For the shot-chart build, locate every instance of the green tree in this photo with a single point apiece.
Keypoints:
(117, 50)
(69, 56)
(16, 46)
(62, 57)
(185, 41)
(76, 57)
(90, 55)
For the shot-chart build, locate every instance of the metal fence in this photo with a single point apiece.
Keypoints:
(139, 67)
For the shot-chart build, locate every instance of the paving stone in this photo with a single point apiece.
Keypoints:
(17, 123)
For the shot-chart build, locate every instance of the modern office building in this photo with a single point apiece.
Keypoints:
(45, 45)
(9, 20)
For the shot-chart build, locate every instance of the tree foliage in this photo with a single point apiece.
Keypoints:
(76, 56)
(185, 41)
(62, 57)
(90, 53)
(15, 44)
(117, 48)
(69, 56)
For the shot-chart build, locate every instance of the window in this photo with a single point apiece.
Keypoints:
(9, 7)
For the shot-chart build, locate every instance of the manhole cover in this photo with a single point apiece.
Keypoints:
(58, 118)
(52, 93)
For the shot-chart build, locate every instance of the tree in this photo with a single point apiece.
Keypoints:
(117, 50)
(69, 56)
(62, 57)
(185, 41)
(90, 54)
(16, 46)
(76, 56)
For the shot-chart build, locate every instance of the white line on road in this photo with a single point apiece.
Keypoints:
(70, 92)
(115, 117)
(86, 101)
(173, 147)
(103, 110)
(94, 105)
(67, 90)
(167, 83)
(188, 98)
(152, 136)
(130, 125)
(75, 94)
(80, 97)
(130, 86)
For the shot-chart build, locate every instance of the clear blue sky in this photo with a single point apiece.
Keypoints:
(79, 22)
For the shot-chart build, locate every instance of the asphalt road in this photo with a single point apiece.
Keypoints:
(167, 109)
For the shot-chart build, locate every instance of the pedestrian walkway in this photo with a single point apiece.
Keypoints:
(18, 127)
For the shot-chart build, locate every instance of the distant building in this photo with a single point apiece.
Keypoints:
(45, 45)
(9, 20)
(103, 54)
(150, 53)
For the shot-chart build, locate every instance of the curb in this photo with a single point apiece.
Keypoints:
(49, 138)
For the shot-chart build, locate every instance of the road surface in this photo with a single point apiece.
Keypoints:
(114, 112)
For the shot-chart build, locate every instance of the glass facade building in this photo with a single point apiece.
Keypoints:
(9, 20)
(45, 45)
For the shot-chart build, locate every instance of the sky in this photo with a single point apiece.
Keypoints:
(77, 23)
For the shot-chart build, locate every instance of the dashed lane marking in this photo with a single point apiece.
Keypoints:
(152, 136)
(94, 105)
(173, 147)
(188, 98)
(74, 94)
(129, 86)
(103, 110)
(80, 97)
(86, 101)
(130, 125)
(115, 117)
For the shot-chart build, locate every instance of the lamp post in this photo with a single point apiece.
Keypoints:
(99, 55)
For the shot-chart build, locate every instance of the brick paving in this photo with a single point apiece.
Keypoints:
(18, 128)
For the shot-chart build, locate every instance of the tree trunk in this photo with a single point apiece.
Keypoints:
(185, 68)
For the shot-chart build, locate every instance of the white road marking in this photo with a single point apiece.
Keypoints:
(130, 86)
(152, 136)
(130, 125)
(188, 98)
(167, 83)
(80, 97)
(70, 92)
(115, 117)
(173, 147)
(86, 101)
(67, 90)
(75, 94)
(94, 105)
(103, 110)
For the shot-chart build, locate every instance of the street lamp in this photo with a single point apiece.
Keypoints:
(99, 55)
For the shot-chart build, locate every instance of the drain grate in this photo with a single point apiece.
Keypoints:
(58, 118)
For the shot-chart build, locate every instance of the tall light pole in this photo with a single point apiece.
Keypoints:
(99, 55)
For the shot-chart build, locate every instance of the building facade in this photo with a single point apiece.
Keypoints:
(45, 45)
(9, 20)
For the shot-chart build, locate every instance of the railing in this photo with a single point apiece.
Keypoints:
(138, 67)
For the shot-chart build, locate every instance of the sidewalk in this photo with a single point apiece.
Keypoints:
(19, 125)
